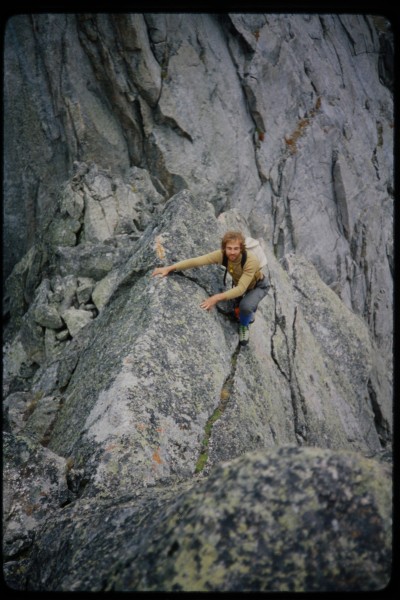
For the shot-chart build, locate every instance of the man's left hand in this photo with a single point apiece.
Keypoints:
(211, 301)
(208, 304)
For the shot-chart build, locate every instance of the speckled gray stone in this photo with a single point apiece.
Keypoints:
(287, 519)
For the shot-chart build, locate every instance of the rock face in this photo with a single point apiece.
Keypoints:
(139, 436)
(291, 519)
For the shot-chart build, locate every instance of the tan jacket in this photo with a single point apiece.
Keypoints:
(243, 279)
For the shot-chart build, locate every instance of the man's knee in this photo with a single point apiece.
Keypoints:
(245, 308)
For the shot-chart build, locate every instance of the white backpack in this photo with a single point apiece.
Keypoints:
(255, 247)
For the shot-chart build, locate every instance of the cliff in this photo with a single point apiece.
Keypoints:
(144, 449)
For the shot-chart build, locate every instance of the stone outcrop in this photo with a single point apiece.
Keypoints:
(286, 520)
(144, 449)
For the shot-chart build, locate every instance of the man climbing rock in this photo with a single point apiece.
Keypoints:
(249, 282)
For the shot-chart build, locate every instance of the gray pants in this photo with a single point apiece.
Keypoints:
(249, 302)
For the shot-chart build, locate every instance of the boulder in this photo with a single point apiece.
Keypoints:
(75, 319)
(286, 519)
(48, 316)
(84, 290)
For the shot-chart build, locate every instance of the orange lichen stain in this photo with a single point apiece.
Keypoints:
(159, 248)
(291, 142)
(140, 426)
(160, 429)
(156, 457)
(261, 135)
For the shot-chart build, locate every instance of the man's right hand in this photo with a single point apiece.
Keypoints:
(161, 271)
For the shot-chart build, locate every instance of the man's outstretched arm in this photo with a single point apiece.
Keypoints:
(190, 263)
(199, 261)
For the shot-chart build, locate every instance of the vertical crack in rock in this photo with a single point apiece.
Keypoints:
(277, 213)
(339, 196)
(281, 321)
(297, 399)
(218, 412)
(381, 425)
(247, 81)
(295, 391)
(156, 164)
(290, 226)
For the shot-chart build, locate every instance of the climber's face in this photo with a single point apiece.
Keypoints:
(232, 250)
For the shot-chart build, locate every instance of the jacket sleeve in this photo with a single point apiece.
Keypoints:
(213, 258)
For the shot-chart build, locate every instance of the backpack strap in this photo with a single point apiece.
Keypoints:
(225, 263)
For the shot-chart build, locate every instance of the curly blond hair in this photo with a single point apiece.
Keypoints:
(233, 236)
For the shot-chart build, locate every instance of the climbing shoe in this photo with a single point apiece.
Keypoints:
(243, 335)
